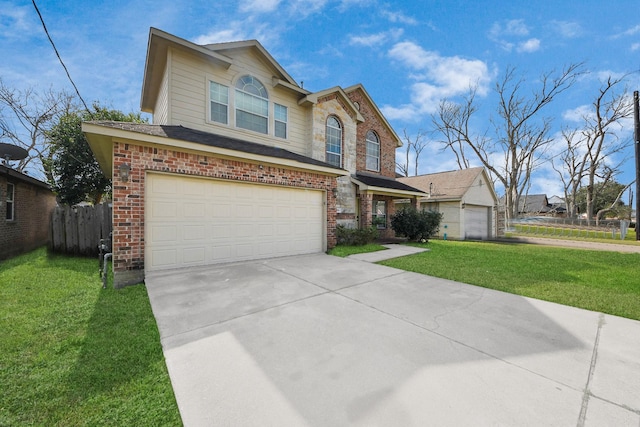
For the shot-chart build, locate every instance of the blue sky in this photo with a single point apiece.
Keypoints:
(408, 54)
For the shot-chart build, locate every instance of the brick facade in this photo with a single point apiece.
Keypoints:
(373, 122)
(33, 205)
(129, 197)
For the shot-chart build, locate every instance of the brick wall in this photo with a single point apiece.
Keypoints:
(128, 197)
(387, 140)
(33, 207)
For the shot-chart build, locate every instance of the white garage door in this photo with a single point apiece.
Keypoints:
(195, 221)
(476, 222)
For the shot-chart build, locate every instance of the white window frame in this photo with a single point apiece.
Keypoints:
(11, 202)
(328, 135)
(372, 142)
(380, 214)
(218, 102)
(253, 102)
(279, 120)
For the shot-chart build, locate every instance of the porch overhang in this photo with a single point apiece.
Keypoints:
(385, 186)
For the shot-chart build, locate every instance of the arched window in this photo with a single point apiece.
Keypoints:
(373, 151)
(334, 142)
(252, 105)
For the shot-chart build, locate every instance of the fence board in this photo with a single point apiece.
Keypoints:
(77, 230)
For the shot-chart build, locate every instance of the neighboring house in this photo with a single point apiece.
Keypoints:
(240, 162)
(534, 205)
(26, 205)
(558, 206)
(466, 198)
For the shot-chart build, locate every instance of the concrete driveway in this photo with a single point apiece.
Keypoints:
(318, 340)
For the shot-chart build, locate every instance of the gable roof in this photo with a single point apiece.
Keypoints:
(312, 98)
(155, 63)
(100, 134)
(381, 116)
(533, 203)
(19, 176)
(451, 185)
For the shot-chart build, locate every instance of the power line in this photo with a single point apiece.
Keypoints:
(58, 55)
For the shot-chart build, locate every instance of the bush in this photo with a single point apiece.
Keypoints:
(355, 236)
(416, 225)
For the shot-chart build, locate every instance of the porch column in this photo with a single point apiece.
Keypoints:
(366, 209)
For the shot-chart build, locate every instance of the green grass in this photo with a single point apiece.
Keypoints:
(605, 236)
(602, 281)
(72, 353)
(345, 251)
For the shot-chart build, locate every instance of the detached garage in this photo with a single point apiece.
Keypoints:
(466, 198)
(183, 197)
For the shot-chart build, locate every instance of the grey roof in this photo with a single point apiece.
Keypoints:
(12, 173)
(533, 203)
(384, 182)
(199, 137)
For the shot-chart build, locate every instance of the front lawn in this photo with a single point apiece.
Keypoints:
(345, 251)
(72, 353)
(602, 281)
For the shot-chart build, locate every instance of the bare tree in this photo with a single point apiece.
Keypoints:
(591, 148)
(26, 116)
(415, 145)
(613, 205)
(599, 138)
(570, 170)
(520, 135)
(452, 122)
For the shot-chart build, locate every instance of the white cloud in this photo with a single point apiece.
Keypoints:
(399, 17)
(436, 77)
(513, 27)
(568, 29)
(529, 46)
(15, 21)
(377, 39)
(259, 6)
(577, 114)
(236, 31)
(506, 35)
(630, 32)
(635, 46)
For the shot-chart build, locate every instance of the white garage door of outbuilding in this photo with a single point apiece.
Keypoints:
(476, 222)
(192, 221)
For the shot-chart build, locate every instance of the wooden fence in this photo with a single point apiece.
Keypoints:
(78, 229)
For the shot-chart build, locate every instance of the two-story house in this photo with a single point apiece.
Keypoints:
(240, 161)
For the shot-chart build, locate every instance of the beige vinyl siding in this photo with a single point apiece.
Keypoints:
(189, 99)
(451, 218)
(161, 109)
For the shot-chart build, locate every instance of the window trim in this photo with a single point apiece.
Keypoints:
(232, 107)
(375, 215)
(252, 96)
(10, 200)
(276, 121)
(211, 101)
(340, 145)
(366, 147)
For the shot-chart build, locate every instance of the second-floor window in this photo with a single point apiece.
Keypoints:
(248, 107)
(252, 105)
(373, 151)
(280, 120)
(219, 97)
(334, 142)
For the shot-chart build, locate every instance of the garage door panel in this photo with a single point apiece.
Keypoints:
(476, 222)
(193, 210)
(196, 221)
